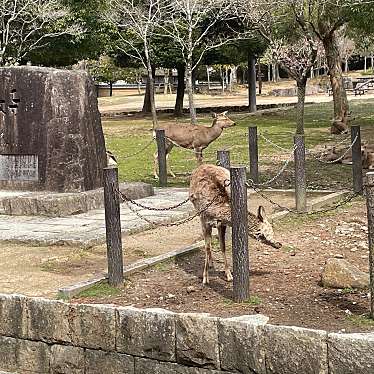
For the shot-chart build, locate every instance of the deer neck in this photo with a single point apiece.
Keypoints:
(215, 130)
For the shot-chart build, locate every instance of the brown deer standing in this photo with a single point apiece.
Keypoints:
(193, 137)
(209, 189)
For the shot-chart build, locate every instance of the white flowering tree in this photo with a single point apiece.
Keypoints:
(28, 25)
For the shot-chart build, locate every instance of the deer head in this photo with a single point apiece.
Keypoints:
(263, 229)
(221, 120)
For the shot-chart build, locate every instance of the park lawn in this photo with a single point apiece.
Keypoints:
(127, 136)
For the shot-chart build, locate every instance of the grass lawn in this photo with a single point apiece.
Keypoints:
(126, 136)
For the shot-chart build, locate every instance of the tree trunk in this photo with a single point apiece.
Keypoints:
(166, 81)
(259, 77)
(252, 83)
(178, 109)
(365, 64)
(190, 92)
(336, 76)
(208, 76)
(147, 96)
(346, 65)
(110, 89)
(269, 73)
(301, 89)
(372, 61)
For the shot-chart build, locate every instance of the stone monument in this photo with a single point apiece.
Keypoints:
(51, 137)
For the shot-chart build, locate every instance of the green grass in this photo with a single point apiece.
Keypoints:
(253, 300)
(127, 136)
(362, 321)
(102, 289)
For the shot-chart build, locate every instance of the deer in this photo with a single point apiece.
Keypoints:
(193, 137)
(339, 125)
(210, 195)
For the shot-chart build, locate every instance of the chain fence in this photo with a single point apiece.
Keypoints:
(130, 204)
(138, 152)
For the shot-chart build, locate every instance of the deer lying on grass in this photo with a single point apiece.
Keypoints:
(193, 137)
(367, 154)
(209, 189)
(340, 125)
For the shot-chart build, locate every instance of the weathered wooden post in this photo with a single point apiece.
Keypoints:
(161, 149)
(356, 159)
(252, 83)
(223, 158)
(370, 209)
(253, 153)
(113, 227)
(239, 217)
(300, 179)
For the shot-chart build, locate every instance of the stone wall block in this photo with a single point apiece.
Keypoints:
(146, 333)
(13, 320)
(93, 326)
(295, 350)
(147, 366)
(241, 344)
(197, 340)
(99, 362)
(33, 357)
(67, 360)
(351, 353)
(48, 320)
(8, 354)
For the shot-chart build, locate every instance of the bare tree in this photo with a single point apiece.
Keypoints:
(27, 25)
(136, 23)
(192, 25)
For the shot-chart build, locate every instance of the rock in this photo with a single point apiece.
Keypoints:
(67, 360)
(99, 362)
(50, 123)
(339, 273)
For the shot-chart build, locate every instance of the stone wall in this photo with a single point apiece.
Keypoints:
(45, 336)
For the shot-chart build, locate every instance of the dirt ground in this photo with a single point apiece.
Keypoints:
(41, 271)
(285, 283)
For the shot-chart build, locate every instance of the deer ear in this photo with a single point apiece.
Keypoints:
(225, 113)
(214, 115)
(261, 214)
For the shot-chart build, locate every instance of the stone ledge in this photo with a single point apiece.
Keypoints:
(155, 341)
(53, 204)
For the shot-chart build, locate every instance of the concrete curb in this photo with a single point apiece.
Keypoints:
(72, 290)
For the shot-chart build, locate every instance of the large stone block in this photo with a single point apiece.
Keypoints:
(13, 320)
(197, 340)
(67, 360)
(33, 357)
(294, 350)
(147, 366)
(53, 115)
(8, 354)
(146, 333)
(99, 362)
(48, 320)
(351, 353)
(241, 342)
(93, 326)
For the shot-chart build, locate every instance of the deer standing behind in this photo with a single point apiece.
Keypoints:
(193, 137)
(209, 188)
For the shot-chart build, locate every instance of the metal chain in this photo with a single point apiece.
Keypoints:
(137, 152)
(171, 224)
(125, 198)
(272, 143)
(342, 202)
(339, 158)
(280, 172)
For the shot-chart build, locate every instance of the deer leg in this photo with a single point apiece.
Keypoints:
(207, 231)
(169, 166)
(221, 236)
(199, 155)
(155, 165)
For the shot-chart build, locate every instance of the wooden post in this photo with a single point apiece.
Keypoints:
(300, 179)
(370, 209)
(113, 227)
(253, 153)
(239, 217)
(223, 159)
(161, 149)
(356, 159)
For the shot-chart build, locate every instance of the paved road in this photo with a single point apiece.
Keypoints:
(135, 103)
(88, 229)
